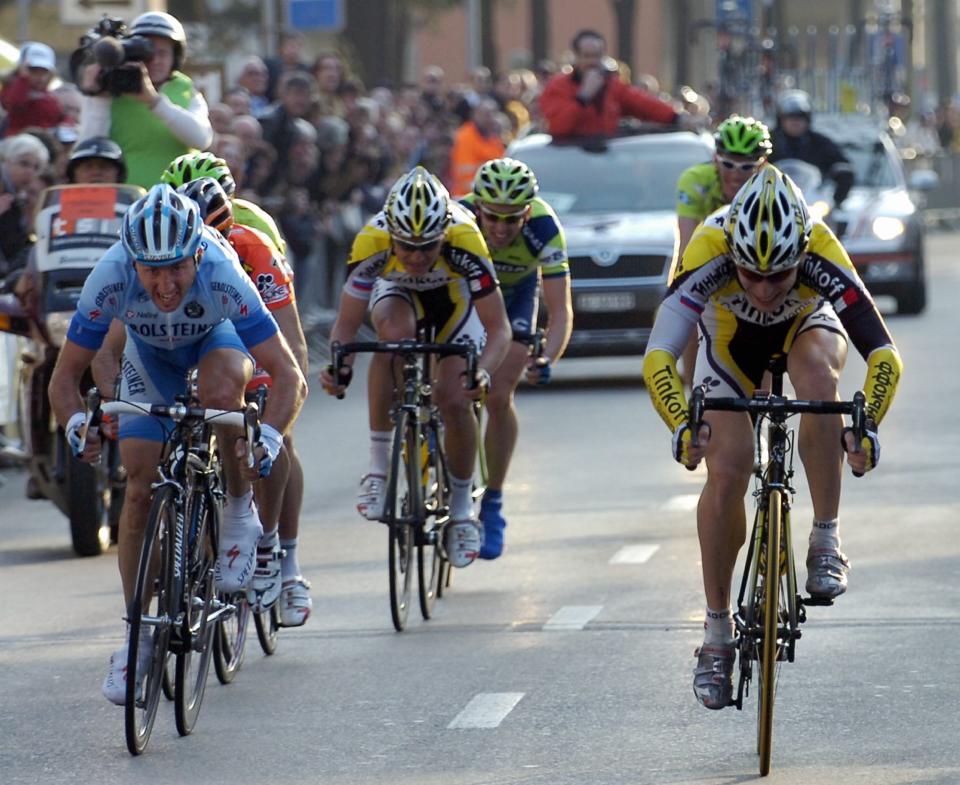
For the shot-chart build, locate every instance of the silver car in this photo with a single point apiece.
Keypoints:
(616, 199)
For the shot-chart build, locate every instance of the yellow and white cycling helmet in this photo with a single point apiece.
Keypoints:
(418, 207)
(768, 227)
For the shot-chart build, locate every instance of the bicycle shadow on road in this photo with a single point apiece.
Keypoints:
(18, 557)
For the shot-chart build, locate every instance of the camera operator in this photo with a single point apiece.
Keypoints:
(589, 99)
(137, 96)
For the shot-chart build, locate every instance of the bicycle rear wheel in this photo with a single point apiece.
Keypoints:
(436, 503)
(196, 628)
(770, 620)
(150, 616)
(230, 640)
(404, 510)
(268, 628)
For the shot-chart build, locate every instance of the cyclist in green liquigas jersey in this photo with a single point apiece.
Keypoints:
(193, 166)
(526, 242)
(742, 145)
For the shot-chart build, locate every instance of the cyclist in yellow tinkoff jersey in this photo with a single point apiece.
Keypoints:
(763, 278)
(422, 262)
(525, 239)
(742, 146)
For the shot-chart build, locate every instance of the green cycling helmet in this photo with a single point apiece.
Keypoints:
(743, 136)
(191, 166)
(505, 181)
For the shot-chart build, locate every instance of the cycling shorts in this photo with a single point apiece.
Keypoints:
(733, 354)
(436, 313)
(522, 301)
(152, 375)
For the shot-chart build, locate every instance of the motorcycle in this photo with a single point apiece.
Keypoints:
(75, 225)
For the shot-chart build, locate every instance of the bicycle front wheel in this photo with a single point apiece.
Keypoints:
(196, 629)
(404, 510)
(268, 628)
(230, 640)
(436, 502)
(150, 616)
(770, 622)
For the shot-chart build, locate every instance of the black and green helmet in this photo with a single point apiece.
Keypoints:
(743, 136)
(505, 181)
(191, 166)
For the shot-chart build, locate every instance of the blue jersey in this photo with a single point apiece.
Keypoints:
(221, 291)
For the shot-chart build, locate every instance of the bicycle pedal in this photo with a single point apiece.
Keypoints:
(823, 601)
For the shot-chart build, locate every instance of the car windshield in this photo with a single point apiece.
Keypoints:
(633, 178)
(871, 164)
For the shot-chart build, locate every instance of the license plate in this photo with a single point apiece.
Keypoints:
(606, 301)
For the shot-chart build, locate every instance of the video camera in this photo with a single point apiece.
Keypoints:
(116, 53)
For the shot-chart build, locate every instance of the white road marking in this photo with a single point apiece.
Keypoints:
(486, 710)
(572, 617)
(634, 554)
(686, 502)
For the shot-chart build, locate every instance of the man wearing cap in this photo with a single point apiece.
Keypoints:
(26, 97)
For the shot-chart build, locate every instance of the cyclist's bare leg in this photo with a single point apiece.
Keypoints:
(269, 492)
(222, 379)
(394, 320)
(721, 517)
(459, 422)
(500, 437)
(141, 457)
(292, 494)
(814, 364)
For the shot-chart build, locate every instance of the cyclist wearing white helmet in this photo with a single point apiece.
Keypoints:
(526, 242)
(185, 301)
(165, 118)
(764, 279)
(422, 263)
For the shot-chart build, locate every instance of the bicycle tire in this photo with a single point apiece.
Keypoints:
(403, 506)
(267, 624)
(230, 639)
(435, 495)
(155, 596)
(766, 683)
(193, 658)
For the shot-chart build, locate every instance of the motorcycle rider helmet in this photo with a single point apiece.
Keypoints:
(768, 227)
(162, 228)
(190, 166)
(162, 25)
(216, 209)
(743, 136)
(505, 181)
(97, 147)
(418, 207)
(794, 103)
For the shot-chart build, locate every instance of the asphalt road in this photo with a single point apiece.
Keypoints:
(568, 660)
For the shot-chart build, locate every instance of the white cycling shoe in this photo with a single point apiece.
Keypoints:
(114, 687)
(461, 541)
(295, 602)
(370, 497)
(239, 534)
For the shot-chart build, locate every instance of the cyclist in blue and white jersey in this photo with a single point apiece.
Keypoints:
(186, 302)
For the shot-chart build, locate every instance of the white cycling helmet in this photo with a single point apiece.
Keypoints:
(794, 103)
(768, 227)
(162, 228)
(418, 207)
(162, 25)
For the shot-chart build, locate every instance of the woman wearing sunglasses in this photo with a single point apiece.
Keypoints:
(421, 262)
(762, 278)
(525, 238)
(742, 145)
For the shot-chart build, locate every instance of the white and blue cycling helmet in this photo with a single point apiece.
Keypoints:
(162, 228)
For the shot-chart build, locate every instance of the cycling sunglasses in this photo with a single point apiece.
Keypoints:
(780, 277)
(427, 247)
(507, 218)
(740, 166)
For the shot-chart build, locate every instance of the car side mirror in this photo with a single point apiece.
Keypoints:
(923, 180)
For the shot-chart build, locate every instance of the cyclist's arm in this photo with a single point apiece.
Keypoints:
(493, 316)
(556, 295)
(106, 363)
(288, 320)
(686, 227)
(289, 388)
(64, 389)
(671, 331)
(350, 317)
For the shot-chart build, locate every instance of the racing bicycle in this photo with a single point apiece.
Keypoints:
(770, 609)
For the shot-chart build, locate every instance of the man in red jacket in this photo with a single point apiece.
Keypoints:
(27, 97)
(589, 99)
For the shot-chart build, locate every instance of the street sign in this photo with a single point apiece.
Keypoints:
(88, 12)
(316, 14)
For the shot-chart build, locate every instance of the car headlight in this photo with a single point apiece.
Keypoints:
(57, 325)
(887, 228)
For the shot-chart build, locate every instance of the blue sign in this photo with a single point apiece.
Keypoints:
(315, 14)
(734, 10)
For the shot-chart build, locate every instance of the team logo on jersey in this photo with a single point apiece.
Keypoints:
(193, 309)
(130, 314)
